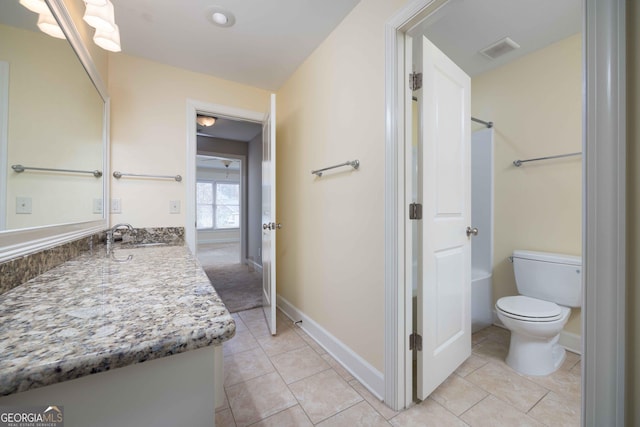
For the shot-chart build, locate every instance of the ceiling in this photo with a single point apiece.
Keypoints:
(268, 42)
(270, 39)
(463, 27)
(229, 129)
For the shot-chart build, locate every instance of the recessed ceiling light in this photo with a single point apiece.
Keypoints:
(220, 17)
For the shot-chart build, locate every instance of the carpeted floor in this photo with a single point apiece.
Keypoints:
(239, 287)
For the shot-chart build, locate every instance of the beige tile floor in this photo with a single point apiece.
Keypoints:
(290, 381)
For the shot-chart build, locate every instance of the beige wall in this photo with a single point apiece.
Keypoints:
(148, 132)
(633, 213)
(331, 246)
(536, 105)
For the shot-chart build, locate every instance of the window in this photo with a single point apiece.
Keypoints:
(218, 205)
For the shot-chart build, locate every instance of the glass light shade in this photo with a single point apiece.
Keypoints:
(100, 17)
(205, 120)
(108, 40)
(48, 25)
(36, 6)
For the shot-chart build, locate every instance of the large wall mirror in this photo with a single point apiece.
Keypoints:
(53, 115)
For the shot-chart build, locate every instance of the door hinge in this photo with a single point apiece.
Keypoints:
(415, 341)
(415, 81)
(415, 211)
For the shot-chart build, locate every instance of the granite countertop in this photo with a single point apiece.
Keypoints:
(94, 313)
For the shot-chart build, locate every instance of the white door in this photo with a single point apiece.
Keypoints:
(444, 311)
(269, 224)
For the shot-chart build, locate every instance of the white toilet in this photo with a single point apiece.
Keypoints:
(548, 284)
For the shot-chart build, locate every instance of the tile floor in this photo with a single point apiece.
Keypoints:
(289, 380)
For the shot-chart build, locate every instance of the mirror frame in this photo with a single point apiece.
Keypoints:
(26, 241)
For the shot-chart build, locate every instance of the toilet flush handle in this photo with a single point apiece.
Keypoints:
(471, 231)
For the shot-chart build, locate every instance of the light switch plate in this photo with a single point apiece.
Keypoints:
(174, 206)
(116, 206)
(23, 205)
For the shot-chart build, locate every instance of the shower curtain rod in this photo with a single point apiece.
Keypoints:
(487, 124)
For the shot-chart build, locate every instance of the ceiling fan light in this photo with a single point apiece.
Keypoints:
(100, 17)
(108, 40)
(36, 6)
(205, 120)
(48, 25)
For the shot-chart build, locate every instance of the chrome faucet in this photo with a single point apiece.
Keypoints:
(114, 229)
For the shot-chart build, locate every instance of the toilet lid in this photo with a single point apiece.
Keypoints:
(526, 307)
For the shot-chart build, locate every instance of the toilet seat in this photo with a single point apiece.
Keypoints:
(529, 309)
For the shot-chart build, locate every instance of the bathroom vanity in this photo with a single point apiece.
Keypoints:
(77, 335)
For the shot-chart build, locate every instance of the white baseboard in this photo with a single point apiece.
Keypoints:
(369, 376)
(210, 241)
(254, 264)
(569, 340)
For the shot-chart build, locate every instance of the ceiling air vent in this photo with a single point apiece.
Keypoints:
(500, 48)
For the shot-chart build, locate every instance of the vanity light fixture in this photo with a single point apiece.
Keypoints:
(100, 17)
(108, 40)
(48, 25)
(205, 121)
(36, 6)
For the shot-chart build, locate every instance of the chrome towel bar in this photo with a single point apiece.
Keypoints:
(354, 164)
(519, 163)
(119, 175)
(20, 168)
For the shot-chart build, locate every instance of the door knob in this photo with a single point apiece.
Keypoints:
(471, 231)
(265, 226)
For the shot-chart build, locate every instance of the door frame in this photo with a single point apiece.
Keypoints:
(604, 209)
(193, 107)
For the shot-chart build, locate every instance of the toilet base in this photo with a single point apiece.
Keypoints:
(535, 356)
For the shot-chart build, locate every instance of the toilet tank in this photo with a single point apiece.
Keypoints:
(549, 276)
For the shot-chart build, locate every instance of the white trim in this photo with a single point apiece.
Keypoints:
(571, 341)
(368, 376)
(604, 252)
(210, 241)
(193, 106)
(4, 138)
(397, 321)
(254, 264)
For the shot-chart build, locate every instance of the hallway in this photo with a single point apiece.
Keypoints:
(239, 285)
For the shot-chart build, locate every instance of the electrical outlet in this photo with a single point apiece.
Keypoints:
(174, 206)
(23, 205)
(97, 206)
(116, 206)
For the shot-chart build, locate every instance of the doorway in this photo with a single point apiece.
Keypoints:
(226, 203)
(605, 21)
